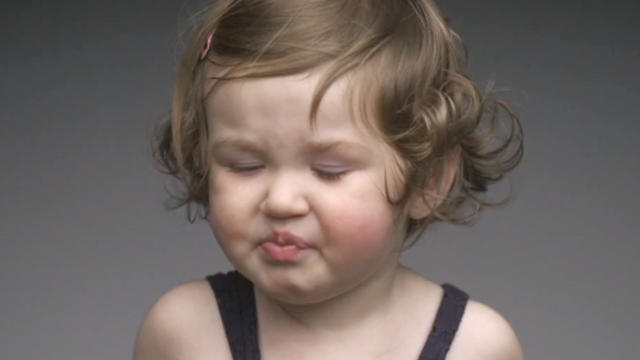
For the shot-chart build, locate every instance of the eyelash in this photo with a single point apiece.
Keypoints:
(244, 169)
(329, 176)
(325, 175)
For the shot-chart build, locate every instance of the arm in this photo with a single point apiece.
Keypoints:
(484, 334)
(183, 324)
(158, 337)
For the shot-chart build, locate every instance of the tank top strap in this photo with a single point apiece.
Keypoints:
(452, 306)
(236, 302)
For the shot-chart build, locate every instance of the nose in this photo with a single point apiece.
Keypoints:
(285, 197)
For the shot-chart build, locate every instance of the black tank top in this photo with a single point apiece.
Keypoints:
(236, 301)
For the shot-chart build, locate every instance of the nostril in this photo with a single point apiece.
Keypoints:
(284, 205)
(285, 196)
(285, 208)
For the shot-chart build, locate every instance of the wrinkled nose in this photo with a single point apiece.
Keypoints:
(285, 197)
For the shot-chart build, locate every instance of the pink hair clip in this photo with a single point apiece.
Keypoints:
(207, 47)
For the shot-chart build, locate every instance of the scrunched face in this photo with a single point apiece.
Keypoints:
(300, 211)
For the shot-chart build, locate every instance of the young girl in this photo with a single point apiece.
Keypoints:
(320, 138)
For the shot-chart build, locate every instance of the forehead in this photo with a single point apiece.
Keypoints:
(274, 101)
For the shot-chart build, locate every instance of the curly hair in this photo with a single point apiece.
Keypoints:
(411, 73)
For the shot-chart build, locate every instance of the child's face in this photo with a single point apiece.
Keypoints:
(271, 172)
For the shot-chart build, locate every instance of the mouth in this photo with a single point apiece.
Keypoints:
(286, 239)
(283, 246)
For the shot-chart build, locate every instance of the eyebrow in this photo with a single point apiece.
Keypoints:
(311, 147)
(324, 146)
(236, 143)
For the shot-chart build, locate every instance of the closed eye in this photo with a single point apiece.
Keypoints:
(322, 173)
(330, 175)
(245, 168)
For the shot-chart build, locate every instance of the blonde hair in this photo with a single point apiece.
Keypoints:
(411, 67)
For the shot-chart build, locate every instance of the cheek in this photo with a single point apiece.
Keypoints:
(359, 232)
(229, 209)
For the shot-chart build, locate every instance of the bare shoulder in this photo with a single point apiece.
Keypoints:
(484, 334)
(183, 323)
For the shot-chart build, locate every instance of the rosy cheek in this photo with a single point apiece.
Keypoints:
(356, 233)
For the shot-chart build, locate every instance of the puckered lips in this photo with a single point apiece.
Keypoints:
(283, 246)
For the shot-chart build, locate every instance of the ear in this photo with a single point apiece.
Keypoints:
(419, 207)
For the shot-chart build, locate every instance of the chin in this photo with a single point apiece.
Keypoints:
(299, 299)
(293, 291)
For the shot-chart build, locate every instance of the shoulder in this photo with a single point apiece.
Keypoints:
(484, 334)
(183, 323)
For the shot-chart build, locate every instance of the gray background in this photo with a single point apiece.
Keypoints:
(86, 246)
